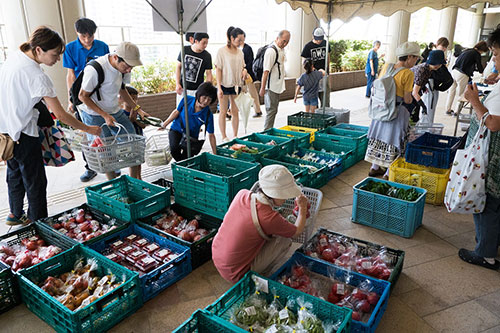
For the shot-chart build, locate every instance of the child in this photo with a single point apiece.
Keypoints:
(127, 109)
(310, 81)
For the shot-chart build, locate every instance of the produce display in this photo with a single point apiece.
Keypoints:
(29, 252)
(81, 286)
(312, 157)
(361, 299)
(81, 225)
(342, 252)
(241, 148)
(178, 226)
(256, 314)
(391, 191)
(138, 254)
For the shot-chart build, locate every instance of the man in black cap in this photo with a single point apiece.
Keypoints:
(316, 51)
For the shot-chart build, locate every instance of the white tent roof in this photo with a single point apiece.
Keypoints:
(347, 9)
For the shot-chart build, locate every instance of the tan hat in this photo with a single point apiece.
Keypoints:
(130, 53)
(408, 48)
(277, 182)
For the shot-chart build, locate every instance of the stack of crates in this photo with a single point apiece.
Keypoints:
(341, 138)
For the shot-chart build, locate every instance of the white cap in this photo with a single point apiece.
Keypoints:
(277, 182)
(408, 48)
(319, 34)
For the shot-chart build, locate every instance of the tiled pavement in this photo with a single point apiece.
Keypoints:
(437, 292)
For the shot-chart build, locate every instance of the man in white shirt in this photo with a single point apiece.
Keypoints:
(102, 106)
(273, 76)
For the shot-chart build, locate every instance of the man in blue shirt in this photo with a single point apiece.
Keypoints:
(372, 67)
(76, 56)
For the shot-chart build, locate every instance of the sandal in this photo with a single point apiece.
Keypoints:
(473, 258)
(12, 220)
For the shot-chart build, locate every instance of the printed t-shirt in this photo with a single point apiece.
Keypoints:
(315, 52)
(195, 65)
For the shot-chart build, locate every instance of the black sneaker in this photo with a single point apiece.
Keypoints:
(472, 258)
(88, 175)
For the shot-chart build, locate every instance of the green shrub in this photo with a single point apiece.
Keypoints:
(354, 60)
(154, 78)
(347, 54)
(338, 48)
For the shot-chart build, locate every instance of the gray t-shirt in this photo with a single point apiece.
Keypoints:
(310, 82)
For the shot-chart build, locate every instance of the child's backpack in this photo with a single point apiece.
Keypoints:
(258, 62)
(77, 85)
(383, 97)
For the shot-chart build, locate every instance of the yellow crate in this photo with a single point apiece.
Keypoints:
(301, 129)
(434, 180)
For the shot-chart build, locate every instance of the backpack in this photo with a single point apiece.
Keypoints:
(258, 62)
(77, 85)
(442, 79)
(383, 97)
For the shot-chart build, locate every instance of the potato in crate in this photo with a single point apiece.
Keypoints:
(388, 206)
(210, 182)
(159, 261)
(368, 297)
(186, 227)
(127, 198)
(80, 291)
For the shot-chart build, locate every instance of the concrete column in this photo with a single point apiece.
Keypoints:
(399, 27)
(448, 21)
(22, 17)
(477, 23)
(293, 23)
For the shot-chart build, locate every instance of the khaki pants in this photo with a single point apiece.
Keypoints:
(460, 81)
(270, 254)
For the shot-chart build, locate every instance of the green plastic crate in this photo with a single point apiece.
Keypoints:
(201, 250)
(235, 296)
(98, 316)
(301, 140)
(300, 173)
(347, 139)
(99, 216)
(353, 127)
(264, 150)
(316, 179)
(312, 120)
(9, 290)
(147, 198)
(285, 145)
(203, 321)
(349, 156)
(364, 248)
(209, 182)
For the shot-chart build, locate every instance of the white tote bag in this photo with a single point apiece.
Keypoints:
(466, 190)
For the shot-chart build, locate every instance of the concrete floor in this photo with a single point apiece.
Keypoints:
(437, 292)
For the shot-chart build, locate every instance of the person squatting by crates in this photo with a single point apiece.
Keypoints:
(254, 236)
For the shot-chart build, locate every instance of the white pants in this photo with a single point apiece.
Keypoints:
(460, 80)
(270, 254)
(188, 92)
(430, 99)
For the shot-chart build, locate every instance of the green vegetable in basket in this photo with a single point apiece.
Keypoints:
(153, 121)
(312, 325)
(283, 317)
(391, 191)
(251, 311)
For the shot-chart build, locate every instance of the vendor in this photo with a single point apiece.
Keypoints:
(201, 120)
(253, 235)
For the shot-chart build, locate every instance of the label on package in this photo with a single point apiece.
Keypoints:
(117, 244)
(251, 311)
(366, 264)
(272, 329)
(323, 242)
(163, 253)
(131, 238)
(112, 256)
(283, 314)
(141, 242)
(148, 260)
(340, 289)
(152, 247)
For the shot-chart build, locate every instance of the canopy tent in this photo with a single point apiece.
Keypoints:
(345, 10)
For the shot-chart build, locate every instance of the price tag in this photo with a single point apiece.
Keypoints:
(251, 311)
(340, 289)
(261, 284)
(283, 314)
(366, 264)
(272, 329)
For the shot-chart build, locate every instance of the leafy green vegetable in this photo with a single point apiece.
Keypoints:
(391, 191)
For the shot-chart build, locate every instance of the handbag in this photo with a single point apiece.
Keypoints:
(44, 117)
(56, 150)
(466, 189)
(6, 147)
(244, 102)
(195, 143)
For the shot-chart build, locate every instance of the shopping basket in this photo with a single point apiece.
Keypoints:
(158, 150)
(117, 152)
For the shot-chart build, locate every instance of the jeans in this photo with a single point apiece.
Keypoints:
(120, 118)
(271, 101)
(369, 82)
(26, 175)
(488, 228)
(177, 152)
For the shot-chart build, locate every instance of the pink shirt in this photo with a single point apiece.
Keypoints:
(238, 242)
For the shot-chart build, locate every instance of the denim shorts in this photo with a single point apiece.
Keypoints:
(120, 117)
(310, 101)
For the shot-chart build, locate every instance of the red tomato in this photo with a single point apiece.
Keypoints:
(372, 298)
(356, 316)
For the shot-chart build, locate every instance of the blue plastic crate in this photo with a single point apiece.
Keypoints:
(202, 321)
(382, 288)
(285, 144)
(333, 170)
(98, 316)
(300, 139)
(238, 293)
(314, 179)
(393, 215)
(166, 274)
(432, 150)
(349, 158)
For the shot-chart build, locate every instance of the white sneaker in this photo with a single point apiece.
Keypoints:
(225, 140)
